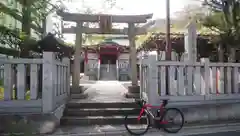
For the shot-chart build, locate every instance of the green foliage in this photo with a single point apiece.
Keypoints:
(9, 37)
(33, 15)
(225, 20)
(27, 94)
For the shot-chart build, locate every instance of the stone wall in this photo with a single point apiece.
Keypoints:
(32, 123)
(211, 113)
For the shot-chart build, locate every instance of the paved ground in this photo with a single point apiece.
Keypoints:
(230, 133)
(106, 91)
(84, 80)
(110, 130)
(127, 83)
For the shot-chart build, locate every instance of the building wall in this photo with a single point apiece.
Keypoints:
(10, 22)
(7, 20)
(92, 56)
(124, 56)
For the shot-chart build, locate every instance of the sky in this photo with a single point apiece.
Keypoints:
(157, 7)
(131, 7)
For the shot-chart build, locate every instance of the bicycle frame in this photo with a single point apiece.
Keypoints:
(161, 108)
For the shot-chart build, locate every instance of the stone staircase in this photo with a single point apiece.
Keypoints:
(85, 114)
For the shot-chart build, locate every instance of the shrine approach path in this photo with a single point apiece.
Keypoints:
(107, 91)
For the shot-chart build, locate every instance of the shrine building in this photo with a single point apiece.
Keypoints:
(107, 60)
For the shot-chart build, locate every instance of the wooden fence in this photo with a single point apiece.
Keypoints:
(189, 82)
(34, 85)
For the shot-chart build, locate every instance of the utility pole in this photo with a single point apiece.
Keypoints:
(168, 46)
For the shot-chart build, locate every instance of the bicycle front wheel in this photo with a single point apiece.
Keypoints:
(135, 126)
(175, 120)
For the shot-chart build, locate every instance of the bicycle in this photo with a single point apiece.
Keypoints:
(159, 120)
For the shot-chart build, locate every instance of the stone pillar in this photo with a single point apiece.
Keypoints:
(49, 79)
(205, 80)
(76, 89)
(190, 54)
(134, 90)
(191, 43)
(152, 92)
(67, 61)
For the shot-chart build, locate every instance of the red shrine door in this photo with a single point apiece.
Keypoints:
(108, 55)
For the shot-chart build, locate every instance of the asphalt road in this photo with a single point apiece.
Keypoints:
(230, 133)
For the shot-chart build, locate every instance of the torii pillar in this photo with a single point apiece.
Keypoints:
(134, 89)
(77, 58)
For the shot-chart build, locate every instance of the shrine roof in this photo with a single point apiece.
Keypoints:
(106, 44)
(109, 43)
(157, 41)
(177, 38)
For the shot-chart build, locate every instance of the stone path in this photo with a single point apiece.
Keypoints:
(111, 130)
(106, 91)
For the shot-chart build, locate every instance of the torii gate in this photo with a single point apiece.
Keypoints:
(105, 27)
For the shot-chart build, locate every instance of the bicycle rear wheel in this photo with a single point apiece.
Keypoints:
(175, 120)
(135, 127)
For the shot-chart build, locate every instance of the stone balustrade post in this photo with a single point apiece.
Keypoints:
(205, 80)
(152, 92)
(49, 69)
(67, 62)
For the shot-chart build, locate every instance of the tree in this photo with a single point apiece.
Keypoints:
(32, 16)
(224, 19)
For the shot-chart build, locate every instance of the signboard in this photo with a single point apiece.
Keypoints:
(105, 23)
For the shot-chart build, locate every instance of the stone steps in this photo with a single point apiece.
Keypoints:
(97, 105)
(108, 113)
(101, 112)
(98, 120)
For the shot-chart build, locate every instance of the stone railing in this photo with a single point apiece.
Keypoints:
(124, 69)
(189, 83)
(34, 85)
(92, 69)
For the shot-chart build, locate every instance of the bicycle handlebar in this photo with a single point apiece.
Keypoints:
(141, 102)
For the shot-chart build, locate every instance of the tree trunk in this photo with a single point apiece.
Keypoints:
(26, 17)
(26, 26)
(232, 55)
(220, 53)
(44, 22)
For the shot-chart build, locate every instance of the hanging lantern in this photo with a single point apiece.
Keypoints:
(105, 23)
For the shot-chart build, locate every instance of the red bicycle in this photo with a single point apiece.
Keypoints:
(170, 119)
